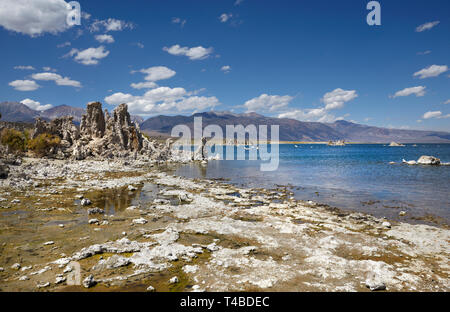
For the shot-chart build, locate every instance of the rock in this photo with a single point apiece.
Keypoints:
(16, 266)
(61, 225)
(24, 278)
(428, 160)
(174, 280)
(60, 279)
(89, 281)
(93, 221)
(4, 171)
(95, 211)
(374, 285)
(395, 144)
(49, 243)
(409, 162)
(43, 285)
(15, 201)
(93, 122)
(140, 221)
(386, 224)
(2, 269)
(150, 288)
(402, 213)
(85, 202)
(131, 188)
(132, 208)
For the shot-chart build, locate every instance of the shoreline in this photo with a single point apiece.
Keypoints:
(211, 235)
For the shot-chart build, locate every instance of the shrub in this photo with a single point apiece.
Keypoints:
(43, 143)
(14, 139)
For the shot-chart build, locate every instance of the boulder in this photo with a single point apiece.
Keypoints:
(428, 160)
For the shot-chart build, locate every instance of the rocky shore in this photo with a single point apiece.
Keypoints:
(132, 225)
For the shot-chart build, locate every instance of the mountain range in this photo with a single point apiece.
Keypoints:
(290, 129)
(18, 112)
(294, 130)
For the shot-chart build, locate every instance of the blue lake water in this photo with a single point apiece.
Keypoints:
(354, 177)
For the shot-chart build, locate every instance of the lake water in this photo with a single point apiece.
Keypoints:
(355, 177)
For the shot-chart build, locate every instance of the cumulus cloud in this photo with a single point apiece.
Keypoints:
(58, 79)
(426, 26)
(153, 74)
(431, 71)
(424, 52)
(24, 85)
(267, 103)
(35, 105)
(195, 53)
(335, 99)
(35, 17)
(104, 38)
(21, 67)
(417, 91)
(90, 56)
(435, 114)
(163, 100)
(144, 85)
(225, 17)
(226, 69)
(110, 24)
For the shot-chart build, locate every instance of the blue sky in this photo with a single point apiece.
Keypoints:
(309, 60)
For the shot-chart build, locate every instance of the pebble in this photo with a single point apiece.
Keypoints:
(43, 285)
(85, 202)
(60, 279)
(386, 224)
(16, 266)
(131, 188)
(95, 210)
(61, 225)
(49, 243)
(174, 280)
(374, 286)
(402, 213)
(150, 288)
(140, 221)
(24, 278)
(89, 281)
(93, 221)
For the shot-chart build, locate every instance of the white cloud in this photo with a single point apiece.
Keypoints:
(156, 73)
(225, 17)
(195, 53)
(431, 71)
(447, 102)
(226, 69)
(139, 45)
(267, 103)
(24, 85)
(35, 105)
(90, 56)
(332, 100)
(144, 85)
(435, 114)
(424, 52)
(58, 79)
(336, 98)
(104, 38)
(48, 69)
(163, 100)
(238, 2)
(153, 74)
(64, 44)
(417, 91)
(177, 20)
(426, 26)
(111, 24)
(35, 17)
(24, 67)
